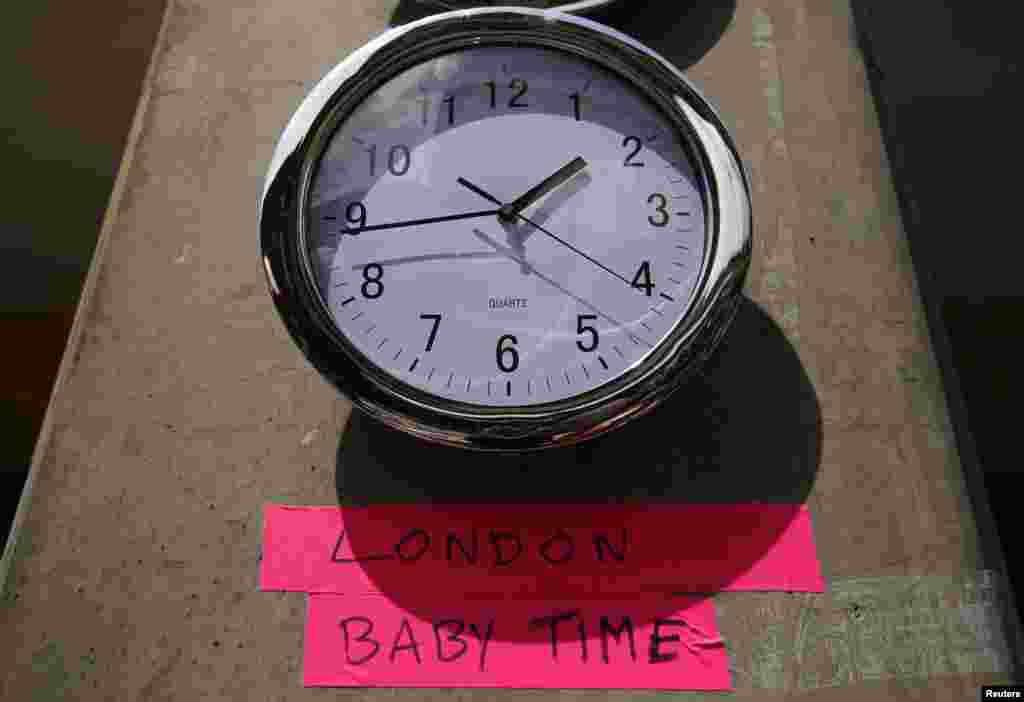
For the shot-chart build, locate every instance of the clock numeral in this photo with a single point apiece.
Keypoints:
(659, 208)
(581, 329)
(436, 318)
(575, 97)
(451, 109)
(517, 84)
(521, 86)
(642, 279)
(636, 149)
(355, 213)
(372, 287)
(425, 103)
(399, 159)
(406, 159)
(507, 352)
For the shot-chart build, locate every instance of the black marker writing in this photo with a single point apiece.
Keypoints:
(337, 545)
(552, 621)
(362, 638)
(559, 548)
(409, 536)
(413, 644)
(657, 639)
(484, 640)
(548, 548)
(456, 637)
(497, 538)
(601, 543)
(606, 629)
(472, 555)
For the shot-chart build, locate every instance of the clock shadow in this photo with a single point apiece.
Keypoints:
(682, 32)
(746, 430)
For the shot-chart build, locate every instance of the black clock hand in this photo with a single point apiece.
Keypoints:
(485, 194)
(482, 193)
(414, 222)
(511, 210)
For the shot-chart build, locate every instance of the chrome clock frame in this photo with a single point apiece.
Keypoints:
(285, 252)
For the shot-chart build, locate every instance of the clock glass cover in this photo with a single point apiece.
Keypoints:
(436, 288)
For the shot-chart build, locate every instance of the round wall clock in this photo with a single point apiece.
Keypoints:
(505, 228)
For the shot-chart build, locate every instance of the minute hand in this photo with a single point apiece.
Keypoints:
(414, 222)
(511, 210)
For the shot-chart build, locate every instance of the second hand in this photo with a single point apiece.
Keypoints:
(484, 194)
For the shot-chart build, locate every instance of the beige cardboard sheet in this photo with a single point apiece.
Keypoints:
(182, 407)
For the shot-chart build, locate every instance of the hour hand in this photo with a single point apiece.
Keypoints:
(511, 210)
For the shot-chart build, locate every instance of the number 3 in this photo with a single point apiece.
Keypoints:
(659, 208)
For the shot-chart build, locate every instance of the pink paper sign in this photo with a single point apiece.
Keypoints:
(413, 553)
(369, 641)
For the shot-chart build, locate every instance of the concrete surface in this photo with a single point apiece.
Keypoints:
(181, 406)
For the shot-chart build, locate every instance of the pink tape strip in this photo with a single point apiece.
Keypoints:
(369, 641)
(416, 552)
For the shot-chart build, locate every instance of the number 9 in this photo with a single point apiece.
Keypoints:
(355, 212)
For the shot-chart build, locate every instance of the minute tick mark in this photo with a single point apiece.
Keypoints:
(413, 366)
(357, 315)
(668, 297)
(345, 302)
(585, 371)
(450, 378)
(603, 362)
(397, 355)
(619, 351)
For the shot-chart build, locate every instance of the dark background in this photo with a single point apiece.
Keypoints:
(945, 80)
(71, 74)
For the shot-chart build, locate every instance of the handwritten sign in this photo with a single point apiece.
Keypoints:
(369, 641)
(413, 552)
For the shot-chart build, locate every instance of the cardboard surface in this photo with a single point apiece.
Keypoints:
(182, 407)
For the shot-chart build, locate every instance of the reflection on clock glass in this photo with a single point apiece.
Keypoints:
(589, 266)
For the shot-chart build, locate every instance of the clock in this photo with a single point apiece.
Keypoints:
(505, 228)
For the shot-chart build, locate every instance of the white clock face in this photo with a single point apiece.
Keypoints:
(566, 292)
